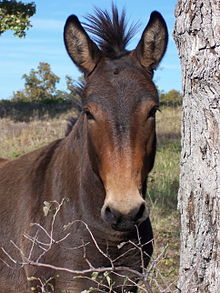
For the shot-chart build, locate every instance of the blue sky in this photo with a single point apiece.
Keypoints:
(44, 41)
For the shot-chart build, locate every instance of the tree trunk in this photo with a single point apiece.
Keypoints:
(197, 36)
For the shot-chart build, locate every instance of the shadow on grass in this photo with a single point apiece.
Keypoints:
(27, 111)
(167, 139)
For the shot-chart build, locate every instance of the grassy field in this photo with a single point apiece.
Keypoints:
(163, 180)
(162, 194)
(18, 138)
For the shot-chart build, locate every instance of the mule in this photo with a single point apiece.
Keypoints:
(101, 166)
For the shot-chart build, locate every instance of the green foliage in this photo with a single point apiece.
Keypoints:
(171, 98)
(40, 85)
(70, 84)
(15, 155)
(72, 89)
(14, 15)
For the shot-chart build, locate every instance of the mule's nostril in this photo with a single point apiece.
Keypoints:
(111, 215)
(125, 221)
(107, 210)
(140, 212)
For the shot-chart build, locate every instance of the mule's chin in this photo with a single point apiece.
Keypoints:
(124, 226)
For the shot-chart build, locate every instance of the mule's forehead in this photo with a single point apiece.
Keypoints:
(120, 99)
(121, 82)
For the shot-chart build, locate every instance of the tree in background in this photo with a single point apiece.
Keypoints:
(196, 35)
(75, 87)
(14, 15)
(171, 98)
(70, 93)
(40, 85)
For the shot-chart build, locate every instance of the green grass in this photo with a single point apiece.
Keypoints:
(163, 181)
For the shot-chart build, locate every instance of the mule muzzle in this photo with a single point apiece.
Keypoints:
(124, 222)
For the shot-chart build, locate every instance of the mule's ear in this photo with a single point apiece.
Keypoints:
(81, 49)
(153, 42)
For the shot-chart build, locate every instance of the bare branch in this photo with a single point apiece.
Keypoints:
(118, 270)
(9, 256)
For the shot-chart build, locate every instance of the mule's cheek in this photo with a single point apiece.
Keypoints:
(150, 154)
(96, 145)
(100, 146)
(93, 156)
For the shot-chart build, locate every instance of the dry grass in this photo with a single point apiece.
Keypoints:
(168, 125)
(18, 138)
(166, 250)
(22, 137)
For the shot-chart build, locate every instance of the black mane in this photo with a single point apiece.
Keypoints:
(70, 123)
(78, 92)
(110, 31)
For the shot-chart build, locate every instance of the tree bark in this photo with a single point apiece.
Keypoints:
(197, 36)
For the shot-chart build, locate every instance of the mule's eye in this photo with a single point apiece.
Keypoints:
(89, 115)
(152, 112)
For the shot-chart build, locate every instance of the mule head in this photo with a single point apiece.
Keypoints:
(119, 106)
